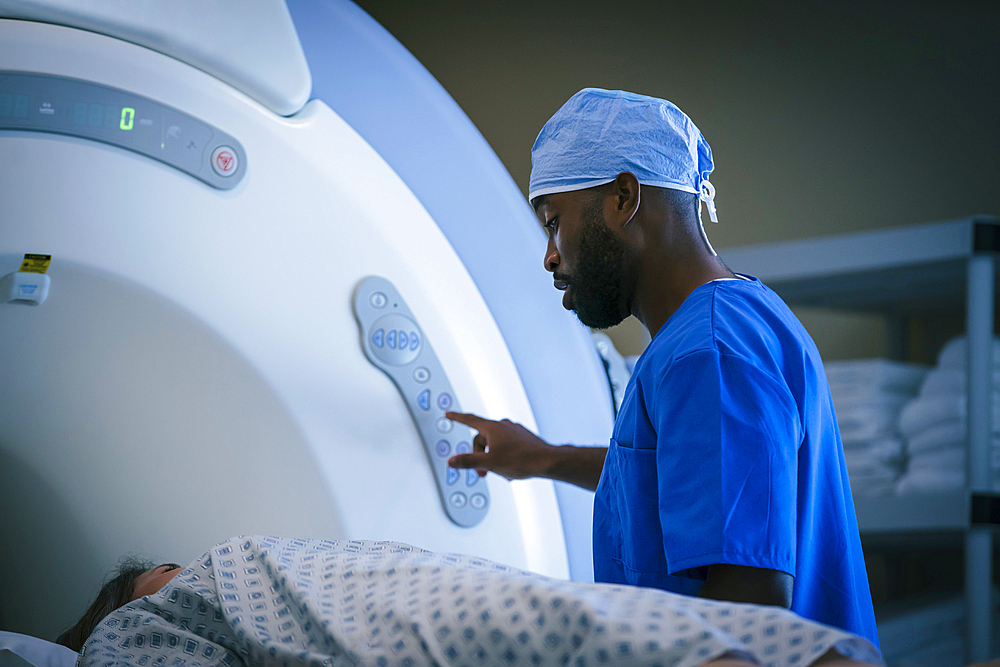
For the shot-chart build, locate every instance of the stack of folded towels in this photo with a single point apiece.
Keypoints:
(935, 423)
(868, 395)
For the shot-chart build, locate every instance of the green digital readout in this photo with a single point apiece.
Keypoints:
(88, 114)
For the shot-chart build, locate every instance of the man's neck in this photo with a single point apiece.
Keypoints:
(660, 294)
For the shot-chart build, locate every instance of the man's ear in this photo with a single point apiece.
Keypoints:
(625, 198)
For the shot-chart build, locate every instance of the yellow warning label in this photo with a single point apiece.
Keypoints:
(35, 263)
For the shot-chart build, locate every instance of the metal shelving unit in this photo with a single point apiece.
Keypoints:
(943, 266)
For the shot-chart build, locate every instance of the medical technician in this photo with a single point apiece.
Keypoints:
(725, 474)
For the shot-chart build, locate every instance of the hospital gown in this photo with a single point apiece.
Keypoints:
(274, 601)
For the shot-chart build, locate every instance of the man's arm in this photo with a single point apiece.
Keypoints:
(742, 583)
(514, 452)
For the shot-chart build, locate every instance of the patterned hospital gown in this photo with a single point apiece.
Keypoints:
(274, 601)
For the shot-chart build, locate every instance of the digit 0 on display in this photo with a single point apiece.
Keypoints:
(128, 115)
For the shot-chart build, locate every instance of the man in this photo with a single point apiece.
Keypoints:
(725, 474)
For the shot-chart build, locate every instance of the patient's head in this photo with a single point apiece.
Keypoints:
(153, 579)
(131, 580)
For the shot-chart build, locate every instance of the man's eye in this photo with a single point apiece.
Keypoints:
(550, 224)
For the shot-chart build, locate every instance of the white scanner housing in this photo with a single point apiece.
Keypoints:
(196, 371)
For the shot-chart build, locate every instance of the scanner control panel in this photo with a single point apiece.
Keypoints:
(393, 341)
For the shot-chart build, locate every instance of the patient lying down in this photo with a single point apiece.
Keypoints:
(265, 600)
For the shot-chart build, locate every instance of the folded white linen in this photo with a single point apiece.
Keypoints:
(875, 374)
(869, 420)
(955, 352)
(924, 412)
(865, 488)
(885, 456)
(942, 460)
(946, 435)
(951, 381)
(926, 481)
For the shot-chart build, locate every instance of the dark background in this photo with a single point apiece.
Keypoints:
(823, 117)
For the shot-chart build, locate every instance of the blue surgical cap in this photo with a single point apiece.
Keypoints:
(599, 133)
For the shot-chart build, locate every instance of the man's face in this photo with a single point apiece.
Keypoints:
(586, 258)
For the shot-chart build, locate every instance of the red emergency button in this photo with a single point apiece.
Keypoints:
(224, 161)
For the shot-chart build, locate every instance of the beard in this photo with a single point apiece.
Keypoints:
(597, 283)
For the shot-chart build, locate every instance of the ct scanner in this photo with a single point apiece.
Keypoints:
(215, 183)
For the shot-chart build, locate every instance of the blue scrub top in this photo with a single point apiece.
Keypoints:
(726, 450)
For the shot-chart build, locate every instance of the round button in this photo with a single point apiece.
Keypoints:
(477, 501)
(421, 374)
(396, 352)
(224, 161)
(463, 448)
(457, 499)
(443, 448)
(378, 300)
(444, 401)
(444, 425)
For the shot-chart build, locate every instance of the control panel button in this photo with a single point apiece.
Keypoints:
(394, 342)
(224, 161)
(442, 448)
(399, 332)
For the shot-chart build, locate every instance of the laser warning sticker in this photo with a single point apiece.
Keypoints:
(35, 263)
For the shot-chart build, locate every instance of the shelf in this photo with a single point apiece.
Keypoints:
(913, 512)
(945, 266)
(905, 269)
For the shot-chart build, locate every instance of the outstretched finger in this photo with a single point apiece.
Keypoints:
(469, 419)
(468, 461)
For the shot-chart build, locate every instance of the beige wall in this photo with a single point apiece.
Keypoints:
(824, 117)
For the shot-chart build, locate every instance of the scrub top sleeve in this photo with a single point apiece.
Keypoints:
(727, 438)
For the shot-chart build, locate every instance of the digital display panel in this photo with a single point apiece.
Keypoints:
(13, 106)
(61, 105)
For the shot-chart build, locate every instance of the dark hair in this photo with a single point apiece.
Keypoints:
(116, 591)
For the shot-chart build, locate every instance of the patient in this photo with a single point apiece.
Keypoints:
(132, 580)
(252, 600)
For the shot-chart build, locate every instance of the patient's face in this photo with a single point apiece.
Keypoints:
(153, 580)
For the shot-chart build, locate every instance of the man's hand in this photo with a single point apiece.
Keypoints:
(503, 447)
(514, 452)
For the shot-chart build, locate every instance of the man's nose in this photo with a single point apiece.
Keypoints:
(551, 260)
